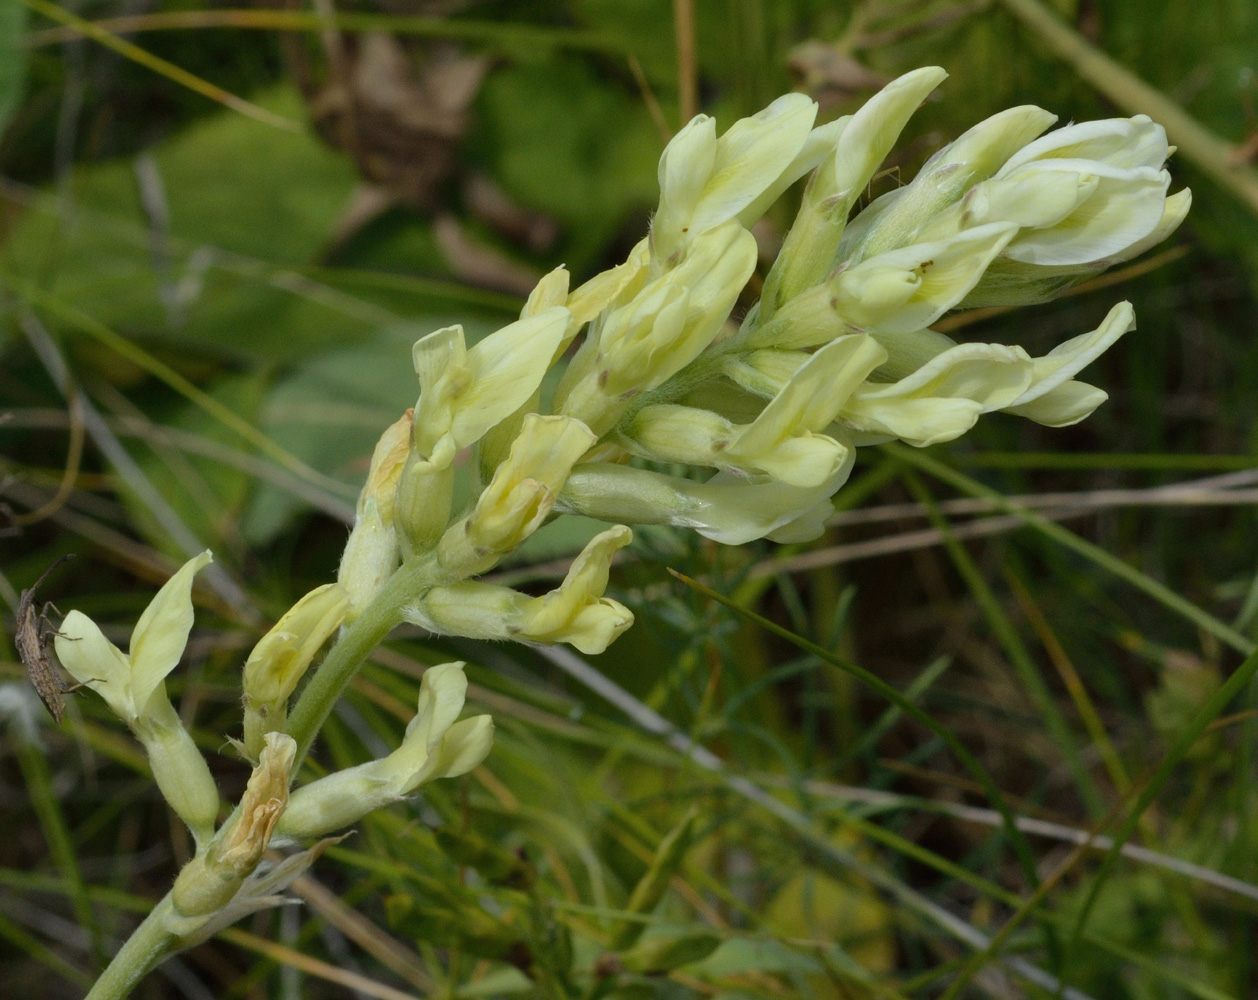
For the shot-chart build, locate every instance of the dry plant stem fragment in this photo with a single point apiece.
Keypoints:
(767, 418)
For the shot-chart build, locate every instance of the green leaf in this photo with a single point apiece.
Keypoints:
(330, 410)
(249, 209)
(563, 141)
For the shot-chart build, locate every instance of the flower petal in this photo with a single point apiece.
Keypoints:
(159, 638)
(441, 695)
(1069, 403)
(94, 661)
(464, 746)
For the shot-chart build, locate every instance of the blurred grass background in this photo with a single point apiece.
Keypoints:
(207, 298)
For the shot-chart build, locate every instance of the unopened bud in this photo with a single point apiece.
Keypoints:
(281, 657)
(520, 495)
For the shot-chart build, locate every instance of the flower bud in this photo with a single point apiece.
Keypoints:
(519, 497)
(179, 769)
(371, 554)
(281, 657)
(435, 746)
(210, 880)
(808, 253)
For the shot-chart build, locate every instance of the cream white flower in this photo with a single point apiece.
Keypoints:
(727, 508)
(435, 746)
(464, 392)
(1054, 397)
(705, 182)
(944, 398)
(807, 255)
(576, 612)
(665, 326)
(133, 685)
(784, 441)
(896, 219)
(128, 681)
(520, 495)
(909, 288)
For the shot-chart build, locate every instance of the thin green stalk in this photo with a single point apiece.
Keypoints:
(1234, 685)
(1015, 648)
(161, 66)
(37, 297)
(1017, 841)
(1094, 553)
(143, 950)
(357, 641)
(52, 821)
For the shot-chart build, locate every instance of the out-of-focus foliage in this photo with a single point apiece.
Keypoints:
(842, 851)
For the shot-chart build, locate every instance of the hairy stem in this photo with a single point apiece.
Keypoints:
(143, 950)
(357, 641)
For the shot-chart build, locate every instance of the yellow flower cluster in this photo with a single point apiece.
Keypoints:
(766, 408)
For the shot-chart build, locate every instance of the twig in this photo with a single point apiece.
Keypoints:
(1028, 824)
(687, 68)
